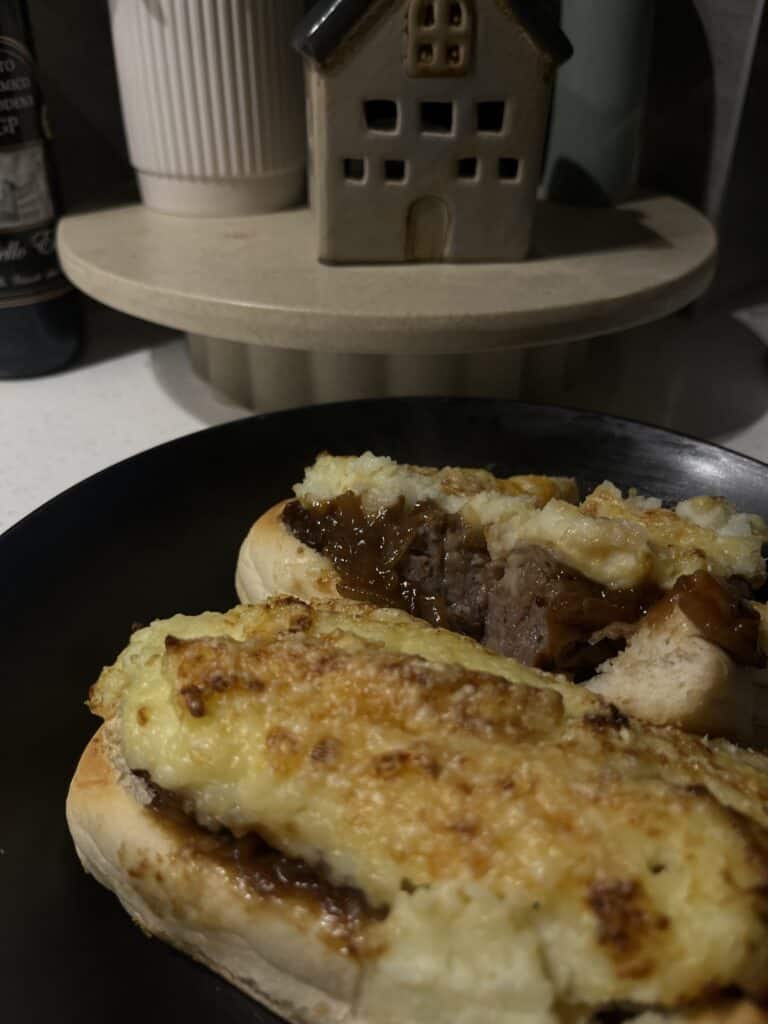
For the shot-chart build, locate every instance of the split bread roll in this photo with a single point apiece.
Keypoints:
(356, 817)
(178, 893)
(670, 675)
(273, 561)
(520, 565)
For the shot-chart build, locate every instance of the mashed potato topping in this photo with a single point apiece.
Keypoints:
(382, 481)
(615, 553)
(700, 533)
(618, 542)
(517, 828)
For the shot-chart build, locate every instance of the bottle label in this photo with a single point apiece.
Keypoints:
(28, 262)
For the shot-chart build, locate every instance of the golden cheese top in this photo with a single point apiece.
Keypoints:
(617, 541)
(483, 803)
(382, 481)
(699, 533)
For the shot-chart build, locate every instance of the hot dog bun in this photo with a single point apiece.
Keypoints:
(670, 673)
(272, 561)
(463, 839)
(186, 900)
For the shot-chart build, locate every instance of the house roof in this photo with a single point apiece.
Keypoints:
(328, 23)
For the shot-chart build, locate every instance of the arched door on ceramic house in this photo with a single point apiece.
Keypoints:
(427, 226)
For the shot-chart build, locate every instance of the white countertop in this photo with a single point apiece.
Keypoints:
(57, 430)
(135, 389)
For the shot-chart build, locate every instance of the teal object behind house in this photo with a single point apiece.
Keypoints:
(599, 100)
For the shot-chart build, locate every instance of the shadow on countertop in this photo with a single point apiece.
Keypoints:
(702, 374)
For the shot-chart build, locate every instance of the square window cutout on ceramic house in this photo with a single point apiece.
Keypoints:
(509, 168)
(425, 55)
(380, 115)
(466, 168)
(436, 118)
(440, 38)
(354, 169)
(456, 14)
(455, 55)
(394, 170)
(490, 116)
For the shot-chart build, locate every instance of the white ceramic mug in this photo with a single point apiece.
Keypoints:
(213, 103)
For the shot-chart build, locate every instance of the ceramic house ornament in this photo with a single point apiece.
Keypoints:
(427, 121)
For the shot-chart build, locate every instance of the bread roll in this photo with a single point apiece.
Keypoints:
(272, 561)
(673, 673)
(668, 674)
(184, 898)
(356, 817)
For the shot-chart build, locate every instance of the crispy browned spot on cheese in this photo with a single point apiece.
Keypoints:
(626, 923)
(387, 687)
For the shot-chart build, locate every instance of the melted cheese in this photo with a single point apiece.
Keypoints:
(381, 481)
(702, 533)
(618, 542)
(491, 807)
(612, 552)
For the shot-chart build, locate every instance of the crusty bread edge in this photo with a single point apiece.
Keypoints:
(245, 939)
(272, 561)
(248, 942)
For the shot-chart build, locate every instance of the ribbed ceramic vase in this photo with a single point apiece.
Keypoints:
(213, 103)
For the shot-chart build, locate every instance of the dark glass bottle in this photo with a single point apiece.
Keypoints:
(39, 311)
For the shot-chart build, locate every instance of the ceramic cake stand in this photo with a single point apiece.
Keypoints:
(274, 328)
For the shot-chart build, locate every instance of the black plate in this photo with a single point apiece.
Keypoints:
(158, 534)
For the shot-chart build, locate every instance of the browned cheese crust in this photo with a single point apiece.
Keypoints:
(480, 808)
(673, 670)
(280, 950)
